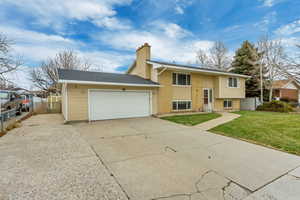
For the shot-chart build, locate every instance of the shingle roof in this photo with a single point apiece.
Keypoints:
(188, 66)
(196, 68)
(77, 75)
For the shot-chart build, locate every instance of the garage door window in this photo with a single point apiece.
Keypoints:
(181, 105)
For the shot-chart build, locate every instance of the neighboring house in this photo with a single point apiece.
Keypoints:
(287, 89)
(148, 88)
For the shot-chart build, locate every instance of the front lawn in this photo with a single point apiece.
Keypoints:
(193, 119)
(278, 130)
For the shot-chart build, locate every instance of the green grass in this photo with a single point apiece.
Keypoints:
(191, 120)
(277, 130)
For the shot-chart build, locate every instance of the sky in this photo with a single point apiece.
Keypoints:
(107, 32)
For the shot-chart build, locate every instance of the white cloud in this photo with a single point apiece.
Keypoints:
(170, 29)
(166, 45)
(269, 3)
(21, 77)
(54, 13)
(180, 6)
(34, 47)
(113, 23)
(106, 61)
(268, 19)
(179, 10)
(289, 29)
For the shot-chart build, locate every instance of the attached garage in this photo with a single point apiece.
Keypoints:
(114, 104)
(91, 96)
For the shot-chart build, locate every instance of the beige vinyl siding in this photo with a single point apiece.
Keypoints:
(182, 92)
(167, 92)
(224, 91)
(78, 99)
(219, 106)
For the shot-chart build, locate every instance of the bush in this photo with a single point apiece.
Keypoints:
(275, 106)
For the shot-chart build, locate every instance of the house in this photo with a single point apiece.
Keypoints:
(286, 90)
(148, 88)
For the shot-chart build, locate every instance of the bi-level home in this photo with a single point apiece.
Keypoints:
(149, 87)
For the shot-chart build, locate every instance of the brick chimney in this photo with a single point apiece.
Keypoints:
(143, 53)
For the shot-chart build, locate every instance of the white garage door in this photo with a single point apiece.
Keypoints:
(118, 104)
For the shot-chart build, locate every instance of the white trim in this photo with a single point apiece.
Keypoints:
(118, 90)
(89, 106)
(150, 101)
(237, 82)
(164, 69)
(156, 65)
(106, 83)
(67, 104)
(187, 86)
(208, 99)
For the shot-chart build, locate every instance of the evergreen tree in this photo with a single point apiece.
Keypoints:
(246, 62)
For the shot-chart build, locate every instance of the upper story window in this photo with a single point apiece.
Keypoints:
(181, 79)
(233, 82)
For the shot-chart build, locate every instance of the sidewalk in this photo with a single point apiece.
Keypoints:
(226, 117)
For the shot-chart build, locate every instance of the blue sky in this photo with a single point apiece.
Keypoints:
(107, 32)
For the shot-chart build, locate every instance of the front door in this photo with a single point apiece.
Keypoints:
(208, 100)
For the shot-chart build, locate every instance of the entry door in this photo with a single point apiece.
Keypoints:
(118, 104)
(208, 100)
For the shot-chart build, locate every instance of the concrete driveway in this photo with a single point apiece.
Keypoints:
(157, 159)
(44, 160)
(138, 159)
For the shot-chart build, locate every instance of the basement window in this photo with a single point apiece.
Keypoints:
(181, 79)
(227, 104)
(182, 105)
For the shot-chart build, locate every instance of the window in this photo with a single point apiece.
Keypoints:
(181, 79)
(205, 97)
(227, 104)
(233, 82)
(181, 105)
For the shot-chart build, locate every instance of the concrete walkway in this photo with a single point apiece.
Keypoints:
(226, 117)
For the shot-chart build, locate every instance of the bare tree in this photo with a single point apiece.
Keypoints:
(45, 76)
(217, 57)
(273, 60)
(7, 62)
(293, 63)
(202, 58)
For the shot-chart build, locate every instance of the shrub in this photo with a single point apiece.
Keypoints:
(275, 106)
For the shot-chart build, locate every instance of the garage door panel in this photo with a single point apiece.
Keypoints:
(118, 104)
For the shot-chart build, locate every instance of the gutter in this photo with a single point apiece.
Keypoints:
(156, 65)
(106, 83)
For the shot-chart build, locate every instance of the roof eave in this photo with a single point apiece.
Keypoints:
(156, 65)
(106, 83)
